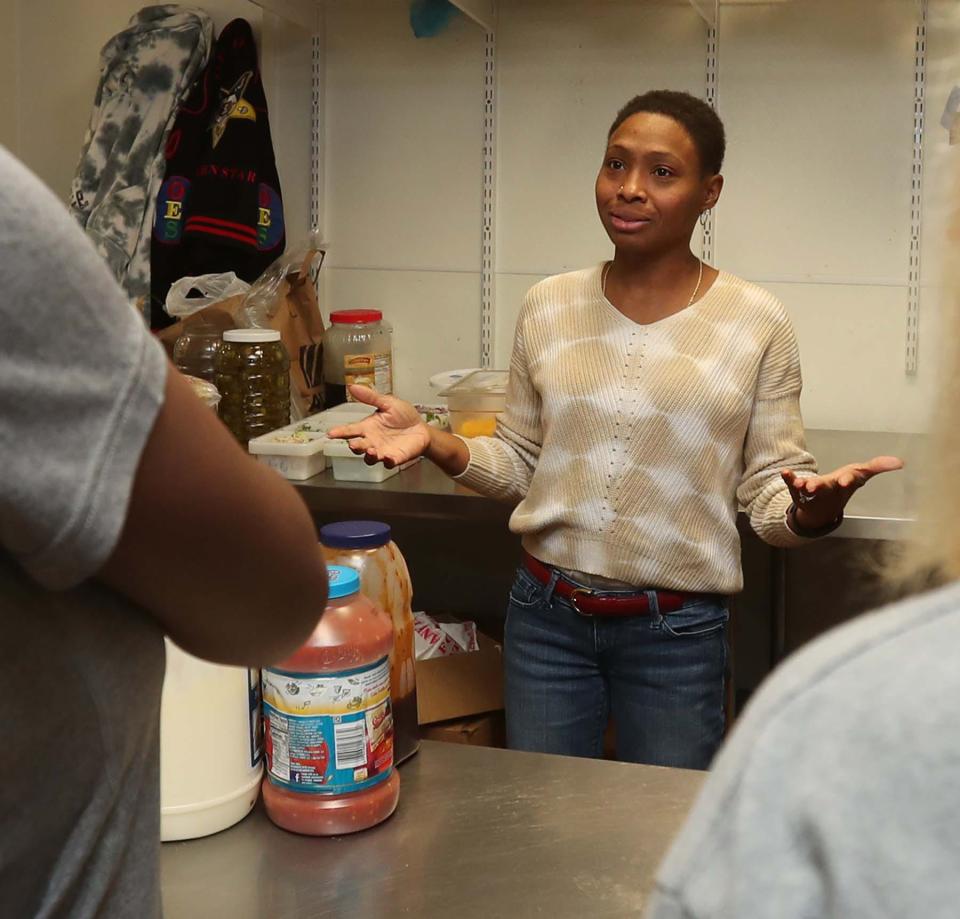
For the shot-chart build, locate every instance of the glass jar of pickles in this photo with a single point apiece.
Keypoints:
(252, 374)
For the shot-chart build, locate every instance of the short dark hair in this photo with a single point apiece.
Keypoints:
(696, 117)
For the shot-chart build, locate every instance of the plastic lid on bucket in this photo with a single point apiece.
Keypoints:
(355, 534)
(343, 581)
(251, 335)
(352, 317)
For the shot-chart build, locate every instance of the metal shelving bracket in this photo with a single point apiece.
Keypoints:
(707, 10)
(304, 13)
(912, 357)
(482, 12)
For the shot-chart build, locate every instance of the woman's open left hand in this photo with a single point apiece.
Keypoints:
(820, 499)
(393, 435)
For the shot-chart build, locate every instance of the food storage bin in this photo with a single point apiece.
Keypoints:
(348, 467)
(297, 455)
(476, 401)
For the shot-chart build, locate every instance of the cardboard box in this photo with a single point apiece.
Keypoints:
(483, 731)
(460, 685)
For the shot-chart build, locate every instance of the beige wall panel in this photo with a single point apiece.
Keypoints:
(403, 133)
(566, 67)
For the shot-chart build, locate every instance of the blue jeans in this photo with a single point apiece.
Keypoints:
(660, 676)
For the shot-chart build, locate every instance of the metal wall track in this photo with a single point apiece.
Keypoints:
(316, 126)
(488, 238)
(916, 194)
(713, 67)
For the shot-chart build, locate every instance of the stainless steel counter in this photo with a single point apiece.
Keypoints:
(479, 833)
(885, 509)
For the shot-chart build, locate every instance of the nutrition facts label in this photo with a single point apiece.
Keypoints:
(330, 733)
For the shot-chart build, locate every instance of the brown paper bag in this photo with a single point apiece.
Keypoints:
(296, 316)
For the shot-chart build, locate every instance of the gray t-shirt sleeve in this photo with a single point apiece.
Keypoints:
(754, 842)
(836, 795)
(81, 382)
(743, 852)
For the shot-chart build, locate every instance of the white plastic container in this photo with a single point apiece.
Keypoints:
(295, 454)
(296, 450)
(211, 743)
(348, 467)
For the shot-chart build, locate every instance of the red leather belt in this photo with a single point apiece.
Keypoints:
(590, 603)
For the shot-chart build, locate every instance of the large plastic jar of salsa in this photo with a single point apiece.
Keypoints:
(366, 545)
(252, 373)
(328, 721)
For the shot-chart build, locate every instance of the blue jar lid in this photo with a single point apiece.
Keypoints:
(343, 581)
(355, 534)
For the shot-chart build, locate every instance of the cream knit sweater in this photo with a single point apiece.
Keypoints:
(629, 447)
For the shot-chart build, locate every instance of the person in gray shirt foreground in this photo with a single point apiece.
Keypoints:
(127, 511)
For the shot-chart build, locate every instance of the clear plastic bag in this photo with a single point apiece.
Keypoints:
(204, 306)
(207, 289)
(265, 297)
(206, 392)
(284, 298)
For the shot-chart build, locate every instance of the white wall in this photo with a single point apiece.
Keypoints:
(817, 96)
(566, 67)
(403, 132)
(49, 68)
(818, 100)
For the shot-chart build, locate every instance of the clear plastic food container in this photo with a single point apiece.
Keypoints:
(476, 402)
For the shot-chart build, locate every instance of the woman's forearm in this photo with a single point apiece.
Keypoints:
(448, 452)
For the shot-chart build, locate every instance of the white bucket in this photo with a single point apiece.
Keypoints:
(210, 746)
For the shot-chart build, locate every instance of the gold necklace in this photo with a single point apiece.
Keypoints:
(693, 296)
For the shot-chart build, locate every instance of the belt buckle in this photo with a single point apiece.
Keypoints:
(572, 599)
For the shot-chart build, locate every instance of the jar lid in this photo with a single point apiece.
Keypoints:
(354, 317)
(355, 534)
(343, 581)
(254, 336)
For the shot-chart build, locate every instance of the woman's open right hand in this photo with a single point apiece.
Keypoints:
(395, 434)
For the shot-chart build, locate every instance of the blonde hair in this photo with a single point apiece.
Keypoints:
(932, 554)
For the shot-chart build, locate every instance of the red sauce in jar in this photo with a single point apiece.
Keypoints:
(328, 721)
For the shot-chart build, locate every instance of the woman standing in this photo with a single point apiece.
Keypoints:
(648, 397)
